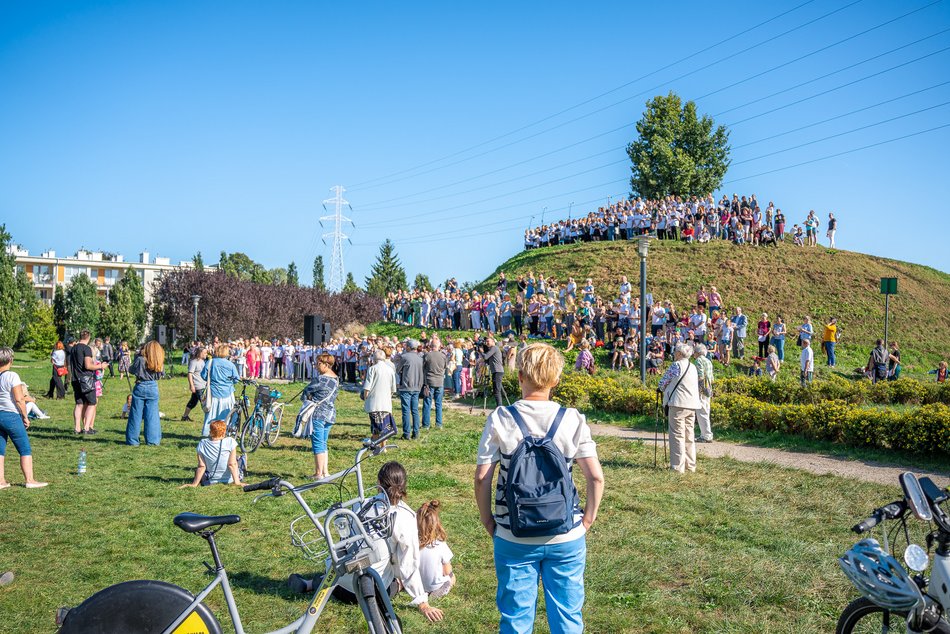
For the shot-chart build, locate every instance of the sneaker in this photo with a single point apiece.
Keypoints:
(91, 431)
(186, 418)
(5, 485)
(706, 440)
(36, 485)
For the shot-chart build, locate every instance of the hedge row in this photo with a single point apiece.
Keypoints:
(835, 388)
(924, 429)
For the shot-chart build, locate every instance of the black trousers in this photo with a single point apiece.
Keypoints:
(518, 327)
(194, 400)
(350, 371)
(497, 387)
(56, 384)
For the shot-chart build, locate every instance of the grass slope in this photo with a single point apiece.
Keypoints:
(787, 281)
(734, 548)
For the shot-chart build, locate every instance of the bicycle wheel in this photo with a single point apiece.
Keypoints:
(865, 617)
(368, 598)
(235, 418)
(272, 424)
(252, 433)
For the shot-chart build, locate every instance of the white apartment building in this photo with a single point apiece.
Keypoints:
(47, 270)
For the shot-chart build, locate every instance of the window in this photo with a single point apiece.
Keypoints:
(72, 271)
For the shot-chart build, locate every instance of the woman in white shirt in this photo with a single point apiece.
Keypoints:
(266, 354)
(58, 359)
(14, 421)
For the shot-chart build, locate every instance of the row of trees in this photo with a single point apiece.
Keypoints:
(26, 322)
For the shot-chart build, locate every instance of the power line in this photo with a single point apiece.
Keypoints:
(590, 100)
(625, 100)
(864, 127)
(840, 116)
(848, 67)
(830, 156)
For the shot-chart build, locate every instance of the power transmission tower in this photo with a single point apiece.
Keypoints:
(337, 273)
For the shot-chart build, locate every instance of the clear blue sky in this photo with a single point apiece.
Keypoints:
(186, 126)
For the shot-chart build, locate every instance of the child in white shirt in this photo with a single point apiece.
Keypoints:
(435, 556)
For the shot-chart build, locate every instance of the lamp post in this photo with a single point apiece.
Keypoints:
(195, 299)
(642, 246)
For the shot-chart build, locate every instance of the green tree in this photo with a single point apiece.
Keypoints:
(293, 278)
(318, 282)
(82, 305)
(59, 311)
(11, 309)
(387, 274)
(198, 263)
(124, 313)
(422, 282)
(277, 277)
(28, 305)
(351, 286)
(677, 151)
(41, 333)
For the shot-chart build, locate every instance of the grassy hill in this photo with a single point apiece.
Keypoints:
(788, 281)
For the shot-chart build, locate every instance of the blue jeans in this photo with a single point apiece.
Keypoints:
(830, 352)
(11, 426)
(144, 405)
(457, 379)
(409, 400)
(435, 394)
(779, 347)
(561, 568)
(320, 435)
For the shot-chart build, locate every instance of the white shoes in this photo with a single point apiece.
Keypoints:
(36, 485)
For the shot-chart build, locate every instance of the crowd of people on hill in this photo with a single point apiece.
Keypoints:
(691, 220)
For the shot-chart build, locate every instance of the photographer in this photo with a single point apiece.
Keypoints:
(491, 355)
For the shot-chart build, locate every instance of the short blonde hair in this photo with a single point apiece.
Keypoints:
(222, 351)
(540, 364)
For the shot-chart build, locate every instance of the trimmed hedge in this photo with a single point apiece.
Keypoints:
(924, 429)
(835, 388)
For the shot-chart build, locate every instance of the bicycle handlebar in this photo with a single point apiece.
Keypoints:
(889, 512)
(260, 486)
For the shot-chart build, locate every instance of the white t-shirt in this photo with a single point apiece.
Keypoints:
(8, 381)
(216, 454)
(431, 560)
(501, 437)
(808, 359)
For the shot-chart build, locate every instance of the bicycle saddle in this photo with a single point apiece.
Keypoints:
(192, 522)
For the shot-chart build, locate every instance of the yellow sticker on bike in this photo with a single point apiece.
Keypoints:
(194, 624)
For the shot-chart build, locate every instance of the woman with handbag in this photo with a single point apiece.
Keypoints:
(220, 375)
(217, 459)
(147, 368)
(322, 390)
(58, 359)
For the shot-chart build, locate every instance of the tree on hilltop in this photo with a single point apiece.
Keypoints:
(351, 286)
(422, 282)
(387, 274)
(293, 278)
(318, 282)
(677, 152)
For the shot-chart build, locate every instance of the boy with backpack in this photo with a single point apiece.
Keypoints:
(538, 526)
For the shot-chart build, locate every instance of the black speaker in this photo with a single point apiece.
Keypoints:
(316, 331)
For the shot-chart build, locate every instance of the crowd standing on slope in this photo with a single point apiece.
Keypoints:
(691, 220)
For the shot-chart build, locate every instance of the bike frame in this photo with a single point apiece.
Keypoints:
(323, 521)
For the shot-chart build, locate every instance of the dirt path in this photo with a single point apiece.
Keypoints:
(814, 463)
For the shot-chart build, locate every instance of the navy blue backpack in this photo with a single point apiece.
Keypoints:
(539, 491)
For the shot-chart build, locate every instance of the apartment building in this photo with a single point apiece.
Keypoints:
(48, 270)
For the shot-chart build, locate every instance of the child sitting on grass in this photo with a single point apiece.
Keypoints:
(435, 556)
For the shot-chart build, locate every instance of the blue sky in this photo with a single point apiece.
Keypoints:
(186, 126)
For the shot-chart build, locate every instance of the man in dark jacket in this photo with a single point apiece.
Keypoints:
(434, 368)
(492, 357)
(410, 374)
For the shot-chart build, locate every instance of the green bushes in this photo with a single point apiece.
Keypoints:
(826, 410)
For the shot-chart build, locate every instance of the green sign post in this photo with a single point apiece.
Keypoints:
(888, 288)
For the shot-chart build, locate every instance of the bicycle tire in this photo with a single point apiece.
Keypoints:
(252, 433)
(367, 594)
(272, 425)
(235, 422)
(863, 615)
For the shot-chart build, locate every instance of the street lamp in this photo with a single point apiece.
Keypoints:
(643, 245)
(195, 299)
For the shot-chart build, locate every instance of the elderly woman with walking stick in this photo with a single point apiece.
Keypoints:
(680, 388)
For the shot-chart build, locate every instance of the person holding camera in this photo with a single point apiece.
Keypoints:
(491, 355)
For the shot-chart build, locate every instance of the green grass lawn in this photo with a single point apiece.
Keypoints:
(733, 548)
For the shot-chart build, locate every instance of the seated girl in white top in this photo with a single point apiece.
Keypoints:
(435, 556)
(217, 459)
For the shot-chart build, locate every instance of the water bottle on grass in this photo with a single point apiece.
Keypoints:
(82, 463)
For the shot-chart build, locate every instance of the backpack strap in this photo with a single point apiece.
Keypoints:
(524, 427)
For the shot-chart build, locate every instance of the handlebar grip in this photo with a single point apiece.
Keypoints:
(867, 524)
(260, 486)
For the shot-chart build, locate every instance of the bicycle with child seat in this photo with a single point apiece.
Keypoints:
(348, 538)
(260, 424)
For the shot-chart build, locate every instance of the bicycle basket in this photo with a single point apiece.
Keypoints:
(265, 396)
(305, 536)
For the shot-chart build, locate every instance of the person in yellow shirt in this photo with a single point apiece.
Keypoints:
(829, 339)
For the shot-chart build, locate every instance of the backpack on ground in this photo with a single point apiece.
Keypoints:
(539, 491)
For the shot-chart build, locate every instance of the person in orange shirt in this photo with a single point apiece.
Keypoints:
(829, 339)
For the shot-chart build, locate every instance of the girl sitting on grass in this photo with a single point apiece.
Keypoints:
(435, 556)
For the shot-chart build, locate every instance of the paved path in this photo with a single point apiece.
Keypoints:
(814, 463)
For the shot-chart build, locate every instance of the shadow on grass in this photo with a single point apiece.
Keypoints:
(268, 586)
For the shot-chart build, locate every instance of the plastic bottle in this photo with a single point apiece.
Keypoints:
(82, 463)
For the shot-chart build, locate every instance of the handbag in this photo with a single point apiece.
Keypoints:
(666, 408)
(206, 397)
(61, 370)
(87, 383)
(426, 392)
